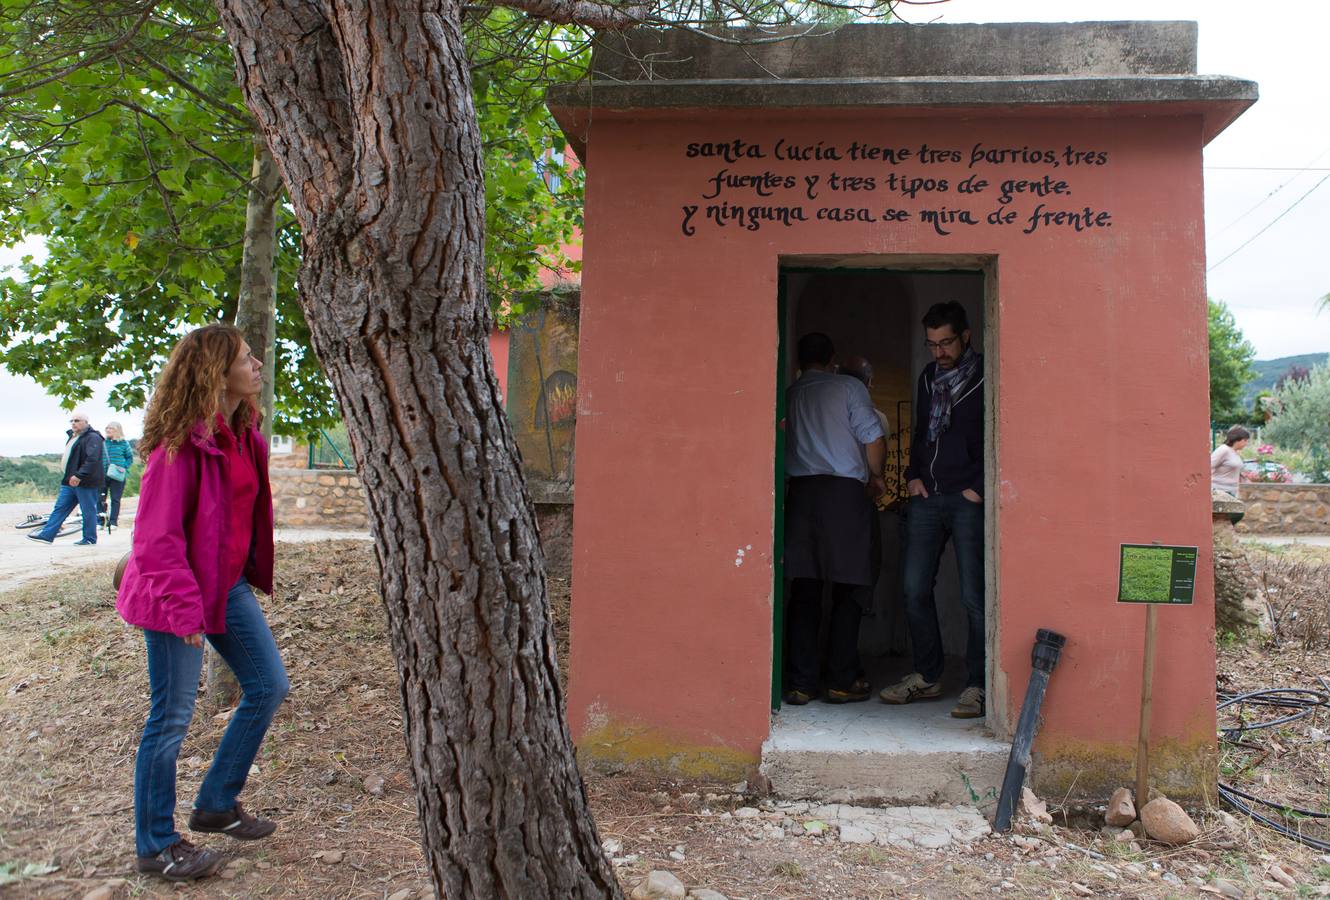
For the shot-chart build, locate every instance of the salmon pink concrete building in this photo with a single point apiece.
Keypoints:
(1048, 177)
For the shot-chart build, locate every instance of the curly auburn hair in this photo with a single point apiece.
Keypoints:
(189, 390)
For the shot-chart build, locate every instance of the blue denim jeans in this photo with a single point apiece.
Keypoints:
(929, 522)
(173, 677)
(65, 501)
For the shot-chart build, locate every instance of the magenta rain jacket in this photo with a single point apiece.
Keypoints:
(174, 580)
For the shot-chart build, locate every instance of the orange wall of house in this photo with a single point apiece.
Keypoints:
(499, 352)
(1101, 420)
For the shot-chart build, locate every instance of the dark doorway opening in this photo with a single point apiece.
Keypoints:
(875, 313)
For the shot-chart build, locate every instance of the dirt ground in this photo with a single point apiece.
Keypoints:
(73, 694)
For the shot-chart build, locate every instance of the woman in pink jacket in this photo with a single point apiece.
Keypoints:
(202, 537)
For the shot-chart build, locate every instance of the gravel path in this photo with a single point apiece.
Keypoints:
(22, 560)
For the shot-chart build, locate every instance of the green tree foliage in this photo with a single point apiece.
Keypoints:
(124, 143)
(126, 146)
(1231, 357)
(1301, 410)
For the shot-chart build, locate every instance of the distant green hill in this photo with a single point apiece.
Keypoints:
(1268, 371)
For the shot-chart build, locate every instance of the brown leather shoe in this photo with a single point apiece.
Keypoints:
(182, 861)
(234, 823)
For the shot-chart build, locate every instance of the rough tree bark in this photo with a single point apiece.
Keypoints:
(367, 110)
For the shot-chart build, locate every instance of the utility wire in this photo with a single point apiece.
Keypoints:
(1271, 224)
(1266, 198)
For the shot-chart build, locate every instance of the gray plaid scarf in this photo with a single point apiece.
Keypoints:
(947, 388)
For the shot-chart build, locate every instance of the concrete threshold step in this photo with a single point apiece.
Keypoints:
(872, 753)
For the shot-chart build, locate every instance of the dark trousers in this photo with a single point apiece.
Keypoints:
(929, 523)
(803, 618)
(115, 489)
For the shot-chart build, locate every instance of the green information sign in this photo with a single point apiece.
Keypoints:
(1154, 573)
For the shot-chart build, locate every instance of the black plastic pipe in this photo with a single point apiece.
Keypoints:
(1047, 648)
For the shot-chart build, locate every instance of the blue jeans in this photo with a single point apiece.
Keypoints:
(173, 676)
(85, 498)
(929, 522)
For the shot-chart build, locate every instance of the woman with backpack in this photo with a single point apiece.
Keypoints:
(202, 536)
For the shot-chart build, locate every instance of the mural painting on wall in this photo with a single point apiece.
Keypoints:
(542, 387)
(872, 183)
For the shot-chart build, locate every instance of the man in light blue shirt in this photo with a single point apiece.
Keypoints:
(835, 453)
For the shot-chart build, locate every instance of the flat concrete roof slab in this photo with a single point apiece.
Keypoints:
(874, 50)
(1079, 69)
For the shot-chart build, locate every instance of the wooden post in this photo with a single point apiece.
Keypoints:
(1147, 684)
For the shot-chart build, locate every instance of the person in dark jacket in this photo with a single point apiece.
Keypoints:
(945, 482)
(82, 484)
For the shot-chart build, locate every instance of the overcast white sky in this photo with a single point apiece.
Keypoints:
(1272, 285)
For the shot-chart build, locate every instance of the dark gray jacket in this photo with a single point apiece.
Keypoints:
(85, 459)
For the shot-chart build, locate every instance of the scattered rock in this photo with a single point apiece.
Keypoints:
(1283, 876)
(403, 894)
(815, 826)
(332, 857)
(677, 855)
(100, 893)
(1227, 888)
(1114, 833)
(612, 846)
(706, 894)
(739, 787)
(374, 785)
(746, 812)
(1035, 808)
(1168, 823)
(1121, 810)
(853, 834)
(1079, 889)
(659, 885)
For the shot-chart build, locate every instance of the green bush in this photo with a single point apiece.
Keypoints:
(1301, 417)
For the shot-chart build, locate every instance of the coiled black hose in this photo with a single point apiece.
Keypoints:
(1298, 702)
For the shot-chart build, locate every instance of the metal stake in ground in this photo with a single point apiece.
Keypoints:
(1147, 686)
(1047, 648)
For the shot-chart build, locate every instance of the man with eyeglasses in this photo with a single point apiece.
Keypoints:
(945, 482)
(82, 484)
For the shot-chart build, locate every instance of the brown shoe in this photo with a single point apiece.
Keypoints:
(234, 823)
(182, 861)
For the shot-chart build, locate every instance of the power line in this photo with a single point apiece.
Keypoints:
(1272, 222)
(1267, 197)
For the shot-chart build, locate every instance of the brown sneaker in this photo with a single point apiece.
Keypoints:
(234, 823)
(856, 693)
(182, 861)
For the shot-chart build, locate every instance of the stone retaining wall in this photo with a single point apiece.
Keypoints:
(317, 498)
(1285, 508)
(333, 498)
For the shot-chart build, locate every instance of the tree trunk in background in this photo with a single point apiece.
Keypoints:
(256, 316)
(256, 308)
(368, 114)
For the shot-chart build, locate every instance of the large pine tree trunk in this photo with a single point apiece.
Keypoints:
(368, 113)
